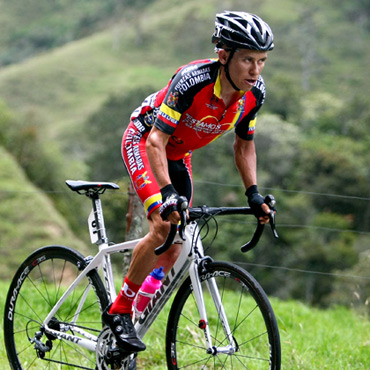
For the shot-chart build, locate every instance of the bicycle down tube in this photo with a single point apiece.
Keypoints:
(169, 284)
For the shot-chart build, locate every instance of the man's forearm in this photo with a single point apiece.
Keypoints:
(246, 161)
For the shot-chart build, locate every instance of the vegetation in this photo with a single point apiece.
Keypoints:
(74, 70)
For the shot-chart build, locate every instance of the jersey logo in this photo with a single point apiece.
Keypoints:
(240, 105)
(142, 180)
(173, 99)
(211, 106)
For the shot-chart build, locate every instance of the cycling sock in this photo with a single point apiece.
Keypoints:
(124, 300)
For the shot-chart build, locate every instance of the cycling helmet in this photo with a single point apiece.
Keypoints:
(240, 30)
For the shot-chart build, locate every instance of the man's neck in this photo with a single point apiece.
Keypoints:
(228, 93)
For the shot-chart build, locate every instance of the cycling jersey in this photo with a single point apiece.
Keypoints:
(189, 109)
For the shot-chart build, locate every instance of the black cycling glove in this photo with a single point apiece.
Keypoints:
(170, 199)
(255, 201)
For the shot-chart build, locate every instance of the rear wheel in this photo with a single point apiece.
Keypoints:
(38, 284)
(250, 316)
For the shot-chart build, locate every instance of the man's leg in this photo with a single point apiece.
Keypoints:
(118, 317)
(143, 261)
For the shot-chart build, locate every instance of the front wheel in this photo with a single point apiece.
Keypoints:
(249, 314)
(38, 284)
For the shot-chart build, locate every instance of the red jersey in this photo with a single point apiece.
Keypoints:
(191, 110)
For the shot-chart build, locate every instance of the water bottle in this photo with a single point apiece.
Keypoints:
(150, 285)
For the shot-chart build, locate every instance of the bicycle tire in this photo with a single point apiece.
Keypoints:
(249, 313)
(39, 282)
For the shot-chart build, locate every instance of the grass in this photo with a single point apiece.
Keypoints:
(311, 339)
(336, 338)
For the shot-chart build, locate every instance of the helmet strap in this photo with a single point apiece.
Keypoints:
(226, 66)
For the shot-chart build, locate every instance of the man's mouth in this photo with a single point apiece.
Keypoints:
(251, 82)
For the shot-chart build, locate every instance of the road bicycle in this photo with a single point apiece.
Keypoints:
(220, 317)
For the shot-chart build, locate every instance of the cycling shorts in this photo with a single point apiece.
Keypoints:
(138, 167)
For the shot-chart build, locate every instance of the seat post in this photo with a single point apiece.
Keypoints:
(99, 217)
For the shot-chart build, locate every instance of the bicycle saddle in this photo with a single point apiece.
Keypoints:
(88, 185)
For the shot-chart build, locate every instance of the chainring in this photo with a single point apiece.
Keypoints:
(108, 355)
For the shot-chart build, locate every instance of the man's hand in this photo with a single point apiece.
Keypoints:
(168, 209)
(257, 203)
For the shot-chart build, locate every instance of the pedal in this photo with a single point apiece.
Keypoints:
(108, 355)
(116, 353)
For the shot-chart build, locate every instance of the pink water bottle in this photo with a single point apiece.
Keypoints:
(149, 287)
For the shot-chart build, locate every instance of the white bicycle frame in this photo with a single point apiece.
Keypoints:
(186, 262)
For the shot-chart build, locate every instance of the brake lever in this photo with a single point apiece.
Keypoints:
(271, 202)
(183, 216)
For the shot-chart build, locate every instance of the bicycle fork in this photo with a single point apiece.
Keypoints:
(195, 277)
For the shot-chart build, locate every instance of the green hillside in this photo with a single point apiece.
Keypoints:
(63, 87)
(29, 29)
(29, 220)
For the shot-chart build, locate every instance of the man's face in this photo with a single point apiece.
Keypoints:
(246, 66)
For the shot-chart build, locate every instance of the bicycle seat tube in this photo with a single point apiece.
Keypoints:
(99, 237)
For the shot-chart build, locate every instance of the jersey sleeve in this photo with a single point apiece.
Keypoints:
(174, 104)
(246, 127)
(169, 113)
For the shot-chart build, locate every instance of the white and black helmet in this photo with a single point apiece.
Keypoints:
(240, 30)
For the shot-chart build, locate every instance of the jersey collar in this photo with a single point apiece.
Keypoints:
(217, 87)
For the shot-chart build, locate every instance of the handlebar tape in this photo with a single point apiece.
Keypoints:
(256, 237)
(167, 244)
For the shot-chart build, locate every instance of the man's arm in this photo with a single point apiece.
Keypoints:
(246, 163)
(156, 151)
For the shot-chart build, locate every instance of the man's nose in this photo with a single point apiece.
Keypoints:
(254, 70)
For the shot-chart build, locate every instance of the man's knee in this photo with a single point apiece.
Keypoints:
(158, 229)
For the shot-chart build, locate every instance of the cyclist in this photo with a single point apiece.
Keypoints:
(202, 101)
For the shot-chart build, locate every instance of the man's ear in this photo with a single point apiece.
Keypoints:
(223, 56)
